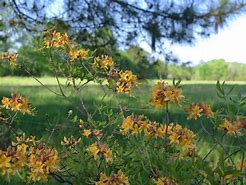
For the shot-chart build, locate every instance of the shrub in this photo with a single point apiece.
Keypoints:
(121, 148)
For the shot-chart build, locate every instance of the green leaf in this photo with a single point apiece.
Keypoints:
(231, 90)
(219, 88)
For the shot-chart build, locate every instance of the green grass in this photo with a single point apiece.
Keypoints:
(55, 108)
(51, 110)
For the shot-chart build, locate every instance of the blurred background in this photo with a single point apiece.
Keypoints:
(161, 39)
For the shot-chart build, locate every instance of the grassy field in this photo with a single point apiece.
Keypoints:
(51, 110)
(49, 105)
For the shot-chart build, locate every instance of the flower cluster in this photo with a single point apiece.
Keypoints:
(231, 128)
(136, 124)
(181, 136)
(195, 111)
(76, 54)
(70, 142)
(42, 161)
(55, 39)
(23, 139)
(165, 181)
(16, 103)
(175, 133)
(12, 160)
(100, 150)
(163, 93)
(30, 154)
(115, 179)
(104, 62)
(125, 81)
(9, 57)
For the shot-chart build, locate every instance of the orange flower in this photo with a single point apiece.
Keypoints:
(165, 181)
(230, 127)
(206, 109)
(125, 82)
(163, 93)
(78, 54)
(10, 57)
(115, 179)
(194, 111)
(16, 103)
(104, 62)
(100, 149)
(127, 125)
(55, 39)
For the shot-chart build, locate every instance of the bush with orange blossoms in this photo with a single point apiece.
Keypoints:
(105, 142)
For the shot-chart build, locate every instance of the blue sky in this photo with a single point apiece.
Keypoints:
(229, 43)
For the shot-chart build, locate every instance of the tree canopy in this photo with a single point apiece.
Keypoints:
(131, 21)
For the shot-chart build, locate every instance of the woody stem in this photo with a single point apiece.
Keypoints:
(167, 124)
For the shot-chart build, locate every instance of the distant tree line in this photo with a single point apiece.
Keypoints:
(139, 61)
(219, 69)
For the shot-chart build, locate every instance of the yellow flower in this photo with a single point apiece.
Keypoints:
(120, 87)
(94, 150)
(169, 96)
(174, 138)
(55, 39)
(22, 148)
(23, 139)
(163, 93)
(104, 179)
(5, 162)
(127, 125)
(127, 76)
(11, 58)
(37, 172)
(78, 54)
(86, 132)
(144, 125)
(181, 136)
(161, 131)
(29, 155)
(230, 128)
(100, 149)
(165, 181)
(125, 82)
(115, 179)
(194, 111)
(177, 93)
(52, 161)
(16, 103)
(107, 153)
(6, 102)
(158, 95)
(42, 161)
(122, 179)
(104, 62)
(206, 109)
